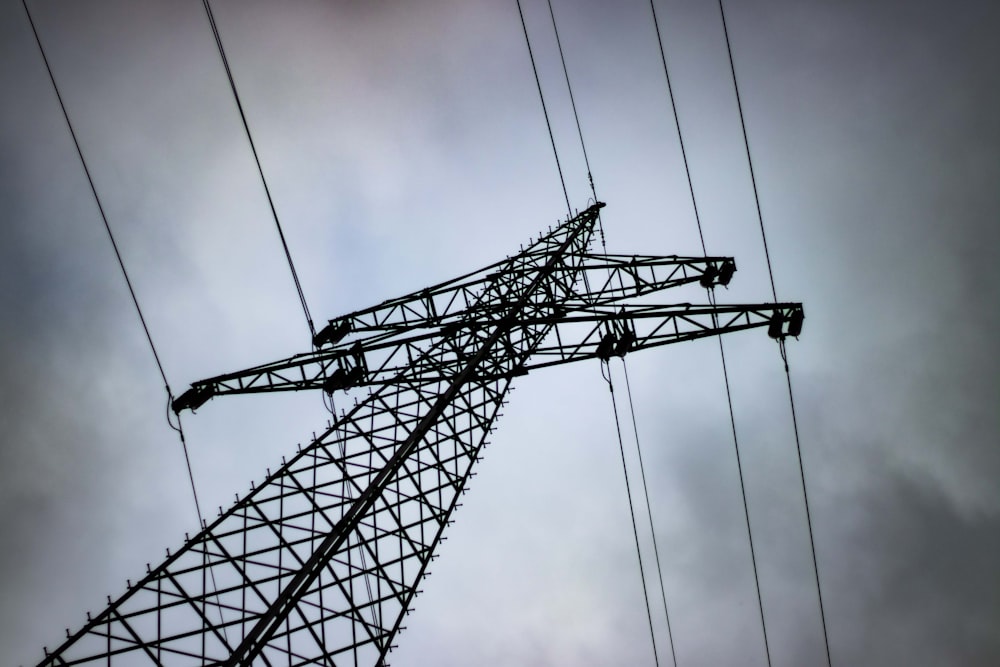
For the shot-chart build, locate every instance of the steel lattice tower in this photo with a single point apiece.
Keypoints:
(319, 563)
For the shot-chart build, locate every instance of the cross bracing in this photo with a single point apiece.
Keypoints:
(320, 563)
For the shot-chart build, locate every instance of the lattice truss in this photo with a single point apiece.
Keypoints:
(320, 563)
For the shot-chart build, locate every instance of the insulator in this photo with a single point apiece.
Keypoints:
(726, 272)
(355, 375)
(774, 329)
(606, 346)
(332, 333)
(795, 322)
(193, 398)
(337, 380)
(625, 344)
(708, 277)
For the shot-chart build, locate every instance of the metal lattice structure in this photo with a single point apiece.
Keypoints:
(319, 563)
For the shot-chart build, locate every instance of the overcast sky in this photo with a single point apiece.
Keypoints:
(405, 144)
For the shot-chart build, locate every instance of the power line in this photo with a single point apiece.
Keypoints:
(746, 144)
(677, 122)
(260, 169)
(572, 101)
(631, 509)
(645, 488)
(545, 111)
(722, 351)
(579, 127)
(97, 199)
(805, 495)
(121, 265)
(649, 511)
(743, 488)
(781, 343)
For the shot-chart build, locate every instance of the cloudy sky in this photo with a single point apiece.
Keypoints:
(404, 142)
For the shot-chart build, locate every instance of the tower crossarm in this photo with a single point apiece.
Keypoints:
(373, 346)
(579, 331)
(603, 332)
(610, 277)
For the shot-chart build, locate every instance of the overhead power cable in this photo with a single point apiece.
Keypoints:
(746, 144)
(781, 343)
(631, 509)
(649, 510)
(97, 199)
(572, 101)
(545, 111)
(121, 265)
(722, 350)
(260, 169)
(579, 129)
(111, 237)
(677, 122)
(743, 487)
(645, 488)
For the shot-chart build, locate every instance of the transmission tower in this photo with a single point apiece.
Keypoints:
(320, 563)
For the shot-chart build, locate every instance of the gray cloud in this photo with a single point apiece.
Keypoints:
(406, 144)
